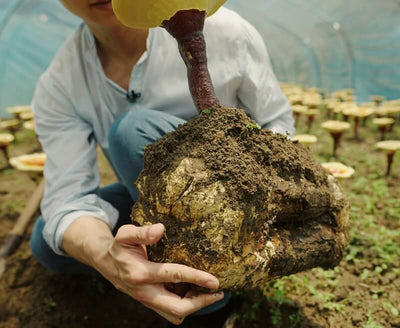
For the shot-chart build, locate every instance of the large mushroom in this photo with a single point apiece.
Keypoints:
(242, 203)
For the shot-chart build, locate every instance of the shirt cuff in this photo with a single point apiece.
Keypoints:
(56, 239)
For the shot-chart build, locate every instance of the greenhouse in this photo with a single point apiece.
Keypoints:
(160, 166)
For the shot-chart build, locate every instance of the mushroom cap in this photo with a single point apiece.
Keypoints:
(151, 13)
(26, 116)
(383, 121)
(388, 145)
(31, 162)
(18, 109)
(299, 109)
(9, 123)
(335, 126)
(5, 139)
(306, 139)
(357, 111)
(311, 112)
(312, 100)
(29, 125)
(338, 170)
(295, 99)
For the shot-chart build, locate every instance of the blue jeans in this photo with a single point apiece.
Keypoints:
(128, 137)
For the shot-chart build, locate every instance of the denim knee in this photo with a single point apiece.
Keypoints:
(52, 261)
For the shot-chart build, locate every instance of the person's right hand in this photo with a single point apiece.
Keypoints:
(126, 266)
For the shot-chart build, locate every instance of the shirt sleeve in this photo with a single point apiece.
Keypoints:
(71, 171)
(260, 93)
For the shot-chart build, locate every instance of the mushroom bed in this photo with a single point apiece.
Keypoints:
(242, 203)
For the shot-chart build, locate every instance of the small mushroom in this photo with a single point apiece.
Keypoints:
(33, 164)
(312, 101)
(357, 113)
(298, 110)
(389, 147)
(10, 125)
(18, 110)
(338, 170)
(378, 100)
(26, 116)
(336, 129)
(29, 125)
(5, 140)
(383, 123)
(310, 113)
(306, 139)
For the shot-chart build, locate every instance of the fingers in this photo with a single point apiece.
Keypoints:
(147, 235)
(175, 308)
(177, 273)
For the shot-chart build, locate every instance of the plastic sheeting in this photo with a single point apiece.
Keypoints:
(332, 44)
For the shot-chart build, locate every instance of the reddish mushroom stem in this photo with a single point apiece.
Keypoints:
(186, 26)
(336, 142)
(390, 156)
(383, 129)
(310, 122)
(356, 124)
(5, 152)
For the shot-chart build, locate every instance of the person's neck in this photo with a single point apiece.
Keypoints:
(122, 44)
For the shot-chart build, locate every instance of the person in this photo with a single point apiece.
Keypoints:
(122, 89)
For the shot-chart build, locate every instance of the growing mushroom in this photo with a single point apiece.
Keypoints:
(18, 110)
(32, 164)
(5, 140)
(306, 139)
(242, 203)
(383, 123)
(10, 125)
(29, 125)
(338, 170)
(336, 129)
(357, 113)
(378, 100)
(311, 113)
(298, 110)
(26, 116)
(389, 147)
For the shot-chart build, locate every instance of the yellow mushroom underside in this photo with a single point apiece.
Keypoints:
(151, 13)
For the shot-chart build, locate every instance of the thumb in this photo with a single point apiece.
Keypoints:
(147, 235)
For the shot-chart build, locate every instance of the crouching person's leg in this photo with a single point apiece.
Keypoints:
(128, 137)
(52, 261)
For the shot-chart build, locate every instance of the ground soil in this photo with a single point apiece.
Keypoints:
(363, 291)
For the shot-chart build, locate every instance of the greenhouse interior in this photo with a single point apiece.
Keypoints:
(289, 208)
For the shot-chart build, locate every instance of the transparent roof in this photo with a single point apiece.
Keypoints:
(332, 44)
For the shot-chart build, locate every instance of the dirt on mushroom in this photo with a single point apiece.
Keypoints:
(243, 203)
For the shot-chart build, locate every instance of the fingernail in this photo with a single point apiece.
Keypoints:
(155, 231)
(212, 284)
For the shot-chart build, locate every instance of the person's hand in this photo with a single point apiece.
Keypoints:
(126, 266)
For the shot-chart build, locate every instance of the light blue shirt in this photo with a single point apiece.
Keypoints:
(75, 105)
